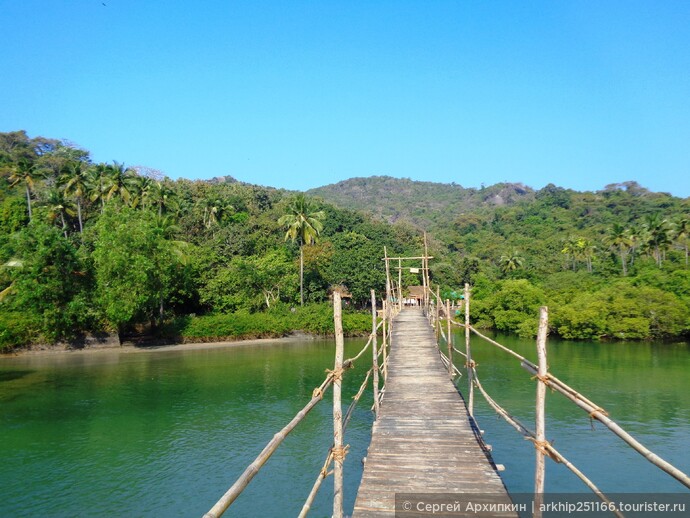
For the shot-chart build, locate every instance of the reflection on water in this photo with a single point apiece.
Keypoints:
(165, 433)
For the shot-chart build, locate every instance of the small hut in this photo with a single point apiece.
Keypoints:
(415, 296)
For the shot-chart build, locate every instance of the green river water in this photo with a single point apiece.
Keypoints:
(165, 433)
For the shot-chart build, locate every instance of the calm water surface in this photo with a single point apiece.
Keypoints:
(645, 387)
(165, 433)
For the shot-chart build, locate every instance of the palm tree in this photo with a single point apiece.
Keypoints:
(303, 223)
(120, 181)
(579, 248)
(619, 239)
(76, 182)
(162, 196)
(58, 207)
(570, 250)
(141, 187)
(659, 236)
(585, 251)
(97, 181)
(639, 237)
(511, 262)
(682, 234)
(23, 171)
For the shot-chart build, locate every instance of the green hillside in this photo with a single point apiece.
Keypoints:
(91, 247)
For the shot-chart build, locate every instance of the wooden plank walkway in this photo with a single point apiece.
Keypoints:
(423, 441)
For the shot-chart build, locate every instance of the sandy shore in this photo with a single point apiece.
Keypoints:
(129, 348)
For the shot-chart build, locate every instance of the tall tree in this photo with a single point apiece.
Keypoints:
(511, 262)
(619, 239)
(58, 207)
(120, 181)
(303, 223)
(682, 234)
(98, 183)
(49, 280)
(75, 179)
(24, 172)
(659, 236)
(134, 264)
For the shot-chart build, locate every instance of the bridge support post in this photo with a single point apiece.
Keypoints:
(468, 352)
(438, 313)
(540, 417)
(449, 340)
(375, 357)
(384, 306)
(338, 451)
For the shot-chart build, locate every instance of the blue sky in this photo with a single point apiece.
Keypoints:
(299, 94)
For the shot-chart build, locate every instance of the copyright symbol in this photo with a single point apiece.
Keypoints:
(407, 506)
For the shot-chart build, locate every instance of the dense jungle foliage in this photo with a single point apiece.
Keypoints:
(88, 247)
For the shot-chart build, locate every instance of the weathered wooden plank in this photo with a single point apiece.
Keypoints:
(423, 441)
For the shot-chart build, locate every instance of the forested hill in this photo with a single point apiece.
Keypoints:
(420, 203)
(87, 247)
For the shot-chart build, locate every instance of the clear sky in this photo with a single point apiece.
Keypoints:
(299, 94)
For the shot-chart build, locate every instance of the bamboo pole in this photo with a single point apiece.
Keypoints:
(400, 299)
(231, 495)
(329, 458)
(388, 273)
(595, 412)
(468, 353)
(375, 357)
(384, 304)
(540, 418)
(599, 414)
(449, 341)
(338, 452)
(425, 273)
(553, 453)
(437, 325)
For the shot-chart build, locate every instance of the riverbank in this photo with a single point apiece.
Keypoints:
(131, 347)
(311, 320)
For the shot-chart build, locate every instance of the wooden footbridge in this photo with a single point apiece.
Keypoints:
(425, 440)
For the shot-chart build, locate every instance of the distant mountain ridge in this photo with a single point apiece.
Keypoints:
(394, 199)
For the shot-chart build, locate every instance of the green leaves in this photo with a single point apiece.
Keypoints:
(47, 280)
(135, 268)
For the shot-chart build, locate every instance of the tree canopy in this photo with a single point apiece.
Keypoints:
(90, 246)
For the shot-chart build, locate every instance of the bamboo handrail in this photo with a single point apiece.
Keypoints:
(553, 453)
(599, 414)
(324, 471)
(231, 494)
(593, 410)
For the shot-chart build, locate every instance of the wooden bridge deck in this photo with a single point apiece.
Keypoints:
(423, 441)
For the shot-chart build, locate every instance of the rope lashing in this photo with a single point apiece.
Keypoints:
(335, 374)
(327, 464)
(597, 410)
(544, 379)
(471, 364)
(317, 393)
(545, 448)
(339, 454)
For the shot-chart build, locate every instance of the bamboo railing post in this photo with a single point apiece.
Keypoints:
(423, 301)
(338, 452)
(375, 355)
(384, 305)
(540, 418)
(437, 325)
(468, 352)
(400, 295)
(388, 274)
(449, 340)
